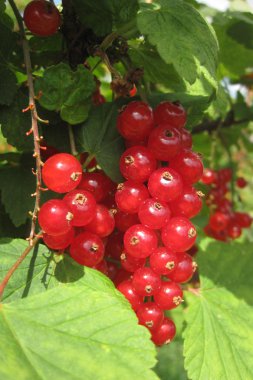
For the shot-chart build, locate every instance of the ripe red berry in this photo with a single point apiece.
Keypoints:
(121, 275)
(82, 205)
(241, 182)
(184, 269)
(163, 261)
(225, 174)
(62, 173)
(42, 18)
(165, 333)
(59, 242)
(218, 221)
(55, 217)
(112, 270)
(209, 176)
(114, 245)
(123, 220)
(129, 196)
(102, 267)
(103, 222)
(127, 289)
(135, 121)
(233, 230)
(169, 296)
(179, 234)
(186, 138)
(87, 249)
(146, 282)
(96, 183)
(130, 263)
(243, 219)
(140, 241)
(189, 165)
(154, 214)
(137, 163)
(150, 315)
(164, 142)
(172, 113)
(165, 184)
(188, 204)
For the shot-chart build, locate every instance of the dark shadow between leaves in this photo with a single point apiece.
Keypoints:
(68, 271)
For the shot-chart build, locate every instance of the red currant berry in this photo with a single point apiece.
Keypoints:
(234, 231)
(96, 183)
(164, 142)
(132, 143)
(121, 275)
(140, 241)
(218, 221)
(137, 163)
(114, 245)
(112, 270)
(133, 91)
(127, 289)
(169, 296)
(225, 175)
(241, 182)
(165, 184)
(98, 98)
(130, 263)
(82, 205)
(123, 220)
(165, 333)
(150, 315)
(243, 219)
(209, 176)
(59, 242)
(87, 249)
(55, 217)
(146, 282)
(189, 165)
(62, 173)
(179, 234)
(188, 204)
(163, 261)
(103, 222)
(135, 121)
(42, 18)
(102, 267)
(184, 269)
(154, 214)
(129, 196)
(172, 113)
(186, 138)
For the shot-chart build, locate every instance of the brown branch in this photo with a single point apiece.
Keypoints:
(34, 116)
(16, 265)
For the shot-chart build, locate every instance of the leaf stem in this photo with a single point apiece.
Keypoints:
(72, 141)
(15, 266)
(34, 116)
(88, 160)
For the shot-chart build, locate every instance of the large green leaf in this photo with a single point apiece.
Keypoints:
(66, 91)
(99, 137)
(219, 332)
(183, 38)
(74, 331)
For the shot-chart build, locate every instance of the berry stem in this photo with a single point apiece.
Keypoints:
(72, 141)
(88, 160)
(34, 116)
(18, 262)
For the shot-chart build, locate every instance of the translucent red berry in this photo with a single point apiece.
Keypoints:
(150, 315)
(123, 220)
(165, 333)
(184, 269)
(153, 213)
(169, 112)
(82, 205)
(102, 223)
(62, 173)
(209, 176)
(137, 163)
(130, 263)
(140, 241)
(165, 184)
(114, 245)
(164, 142)
(188, 204)
(163, 261)
(189, 165)
(135, 121)
(218, 221)
(234, 231)
(127, 289)
(129, 196)
(186, 138)
(55, 217)
(102, 267)
(59, 242)
(146, 282)
(87, 249)
(169, 296)
(179, 234)
(96, 183)
(241, 182)
(243, 219)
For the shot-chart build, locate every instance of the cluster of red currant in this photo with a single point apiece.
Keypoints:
(224, 223)
(138, 232)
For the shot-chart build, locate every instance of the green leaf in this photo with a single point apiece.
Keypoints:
(15, 123)
(8, 38)
(99, 137)
(8, 85)
(66, 91)
(170, 365)
(73, 332)
(183, 38)
(102, 15)
(220, 319)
